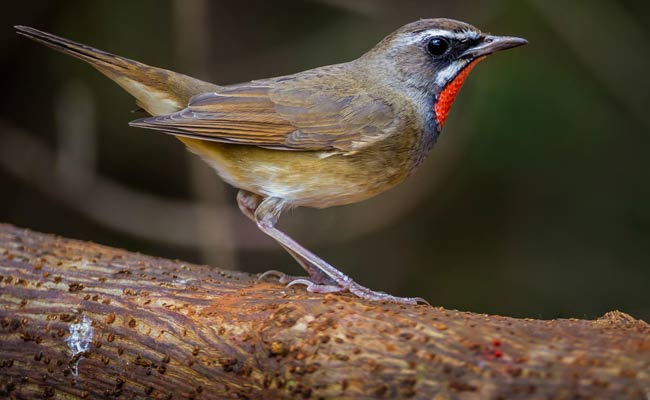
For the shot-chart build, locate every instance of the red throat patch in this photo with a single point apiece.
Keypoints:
(448, 94)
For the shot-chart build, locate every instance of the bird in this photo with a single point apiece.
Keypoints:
(328, 136)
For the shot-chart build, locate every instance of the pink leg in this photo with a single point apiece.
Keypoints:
(248, 203)
(266, 214)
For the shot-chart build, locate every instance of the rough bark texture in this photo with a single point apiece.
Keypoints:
(80, 320)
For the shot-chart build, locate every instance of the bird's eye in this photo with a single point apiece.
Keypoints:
(437, 46)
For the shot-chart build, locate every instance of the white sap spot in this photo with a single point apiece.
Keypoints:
(81, 334)
(303, 323)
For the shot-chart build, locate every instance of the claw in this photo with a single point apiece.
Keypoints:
(305, 282)
(315, 288)
(420, 300)
(286, 278)
(281, 276)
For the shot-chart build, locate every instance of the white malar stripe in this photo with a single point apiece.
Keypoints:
(448, 73)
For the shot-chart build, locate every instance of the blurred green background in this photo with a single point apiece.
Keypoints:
(535, 201)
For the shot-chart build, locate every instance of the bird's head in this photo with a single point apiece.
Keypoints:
(434, 56)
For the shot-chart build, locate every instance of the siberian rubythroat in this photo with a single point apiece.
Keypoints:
(329, 136)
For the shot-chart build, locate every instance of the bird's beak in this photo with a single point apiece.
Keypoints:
(491, 44)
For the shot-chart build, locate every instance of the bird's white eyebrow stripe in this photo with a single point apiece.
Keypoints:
(464, 34)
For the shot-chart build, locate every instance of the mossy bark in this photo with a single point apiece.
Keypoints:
(80, 320)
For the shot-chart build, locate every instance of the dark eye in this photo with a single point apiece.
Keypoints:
(437, 46)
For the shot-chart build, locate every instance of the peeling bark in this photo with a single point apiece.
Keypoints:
(80, 320)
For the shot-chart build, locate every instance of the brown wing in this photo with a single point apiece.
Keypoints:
(300, 112)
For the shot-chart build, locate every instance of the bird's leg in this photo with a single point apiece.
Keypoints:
(266, 216)
(248, 203)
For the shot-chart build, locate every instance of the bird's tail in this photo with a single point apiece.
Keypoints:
(156, 90)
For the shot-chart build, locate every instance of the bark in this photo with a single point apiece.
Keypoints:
(80, 320)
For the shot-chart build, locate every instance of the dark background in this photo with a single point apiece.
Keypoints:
(535, 201)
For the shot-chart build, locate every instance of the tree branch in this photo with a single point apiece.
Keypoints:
(80, 320)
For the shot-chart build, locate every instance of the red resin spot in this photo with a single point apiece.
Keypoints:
(448, 94)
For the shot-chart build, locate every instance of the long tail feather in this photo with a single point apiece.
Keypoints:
(156, 90)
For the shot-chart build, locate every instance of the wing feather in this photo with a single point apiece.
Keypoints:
(301, 112)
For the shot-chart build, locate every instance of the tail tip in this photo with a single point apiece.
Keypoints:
(27, 31)
(22, 28)
(139, 123)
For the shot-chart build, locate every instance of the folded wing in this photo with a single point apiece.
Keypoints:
(300, 112)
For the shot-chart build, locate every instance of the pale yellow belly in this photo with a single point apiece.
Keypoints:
(302, 178)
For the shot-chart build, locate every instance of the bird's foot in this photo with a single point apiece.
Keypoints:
(318, 280)
(315, 287)
(330, 286)
(368, 294)
(312, 285)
